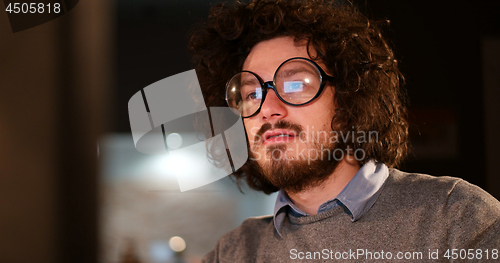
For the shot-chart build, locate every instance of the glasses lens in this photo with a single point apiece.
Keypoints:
(244, 93)
(297, 81)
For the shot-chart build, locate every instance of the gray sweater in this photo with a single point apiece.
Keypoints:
(416, 218)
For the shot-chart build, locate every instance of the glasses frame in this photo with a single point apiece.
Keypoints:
(272, 85)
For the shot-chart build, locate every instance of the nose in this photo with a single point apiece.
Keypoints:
(272, 108)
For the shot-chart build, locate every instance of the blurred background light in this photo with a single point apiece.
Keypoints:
(177, 244)
(174, 141)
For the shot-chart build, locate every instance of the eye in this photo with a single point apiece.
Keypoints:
(252, 96)
(256, 95)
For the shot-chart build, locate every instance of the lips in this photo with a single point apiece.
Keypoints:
(278, 136)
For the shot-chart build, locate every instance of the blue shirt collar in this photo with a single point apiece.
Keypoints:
(358, 196)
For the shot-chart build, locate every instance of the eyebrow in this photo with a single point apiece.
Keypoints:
(249, 81)
(292, 71)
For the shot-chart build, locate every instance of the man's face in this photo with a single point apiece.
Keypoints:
(307, 128)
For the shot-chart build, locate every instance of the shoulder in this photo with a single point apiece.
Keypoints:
(413, 189)
(452, 190)
(239, 242)
(471, 215)
(422, 182)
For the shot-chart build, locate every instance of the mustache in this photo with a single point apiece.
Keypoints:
(281, 124)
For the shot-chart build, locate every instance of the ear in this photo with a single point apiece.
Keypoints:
(335, 124)
(351, 160)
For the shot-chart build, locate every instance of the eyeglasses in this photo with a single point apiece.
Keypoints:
(296, 82)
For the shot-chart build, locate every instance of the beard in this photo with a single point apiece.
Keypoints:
(297, 173)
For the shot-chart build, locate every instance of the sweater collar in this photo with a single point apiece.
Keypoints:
(357, 196)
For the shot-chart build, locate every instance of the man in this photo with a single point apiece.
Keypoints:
(323, 108)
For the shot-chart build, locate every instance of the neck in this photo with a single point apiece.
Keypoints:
(310, 199)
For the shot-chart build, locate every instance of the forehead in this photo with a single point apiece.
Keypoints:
(266, 56)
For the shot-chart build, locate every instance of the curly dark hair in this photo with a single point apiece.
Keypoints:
(368, 84)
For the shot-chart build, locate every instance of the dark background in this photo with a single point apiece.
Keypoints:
(437, 44)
